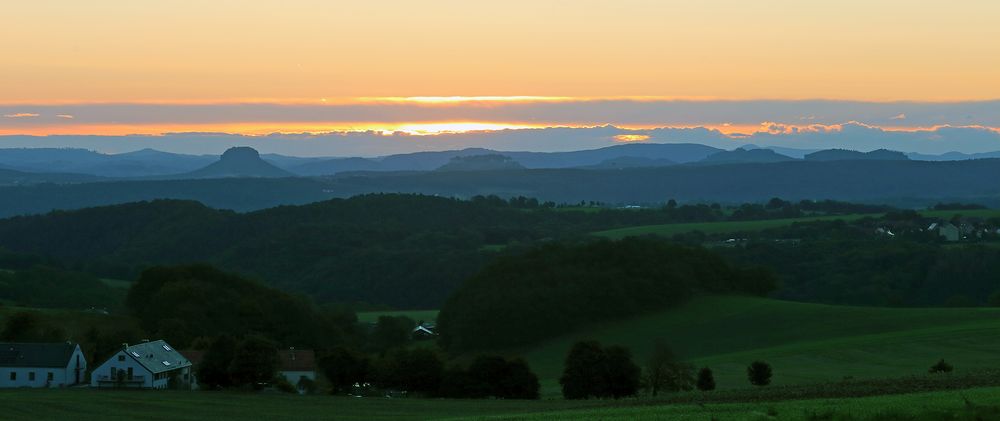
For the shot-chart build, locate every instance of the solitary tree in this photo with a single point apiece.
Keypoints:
(581, 373)
(706, 380)
(941, 367)
(622, 376)
(759, 373)
(595, 372)
(664, 372)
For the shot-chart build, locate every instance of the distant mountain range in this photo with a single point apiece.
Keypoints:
(148, 163)
(901, 183)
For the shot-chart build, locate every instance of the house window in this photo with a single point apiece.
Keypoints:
(121, 358)
(50, 376)
(13, 375)
(31, 376)
(130, 373)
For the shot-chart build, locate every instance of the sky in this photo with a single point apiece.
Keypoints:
(258, 67)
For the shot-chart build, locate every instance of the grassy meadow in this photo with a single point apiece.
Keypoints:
(670, 230)
(805, 343)
(86, 404)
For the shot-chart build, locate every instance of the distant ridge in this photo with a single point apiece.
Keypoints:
(238, 162)
(426, 161)
(746, 156)
(490, 162)
(849, 155)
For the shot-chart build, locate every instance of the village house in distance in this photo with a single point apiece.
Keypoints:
(41, 364)
(148, 365)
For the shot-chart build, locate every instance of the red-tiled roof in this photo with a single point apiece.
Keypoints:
(296, 360)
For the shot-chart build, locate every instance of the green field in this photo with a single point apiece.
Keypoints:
(971, 213)
(754, 226)
(416, 315)
(805, 343)
(85, 404)
(718, 227)
(74, 322)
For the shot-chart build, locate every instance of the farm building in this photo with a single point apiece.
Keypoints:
(950, 232)
(424, 331)
(41, 364)
(148, 365)
(297, 366)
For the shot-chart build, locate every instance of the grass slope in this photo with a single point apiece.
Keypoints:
(804, 342)
(718, 227)
(86, 404)
(753, 226)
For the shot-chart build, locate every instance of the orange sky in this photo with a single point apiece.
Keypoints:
(181, 50)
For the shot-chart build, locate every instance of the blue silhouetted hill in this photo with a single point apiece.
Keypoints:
(239, 162)
(849, 155)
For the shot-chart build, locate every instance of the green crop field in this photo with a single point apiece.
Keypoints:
(86, 404)
(718, 227)
(805, 343)
(754, 226)
(74, 322)
(971, 213)
(416, 315)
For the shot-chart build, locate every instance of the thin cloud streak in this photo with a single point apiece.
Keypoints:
(523, 111)
(853, 135)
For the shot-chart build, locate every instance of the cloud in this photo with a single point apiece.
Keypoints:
(20, 115)
(533, 111)
(849, 135)
(65, 116)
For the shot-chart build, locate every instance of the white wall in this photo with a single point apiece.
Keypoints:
(61, 376)
(294, 376)
(149, 379)
(122, 364)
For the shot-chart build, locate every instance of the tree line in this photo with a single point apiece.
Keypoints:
(555, 288)
(401, 251)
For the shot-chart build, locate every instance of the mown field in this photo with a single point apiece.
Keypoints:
(805, 343)
(86, 404)
(718, 227)
(754, 226)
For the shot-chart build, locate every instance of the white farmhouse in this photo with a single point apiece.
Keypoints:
(41, 364)
(149, 365)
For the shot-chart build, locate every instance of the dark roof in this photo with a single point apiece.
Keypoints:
(296, 360)
(157, 356)
(36, 355)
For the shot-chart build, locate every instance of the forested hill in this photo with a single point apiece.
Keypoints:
(906, 183)
(901, 183)
(398, 250)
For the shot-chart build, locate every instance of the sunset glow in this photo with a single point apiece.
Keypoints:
(729, 67)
